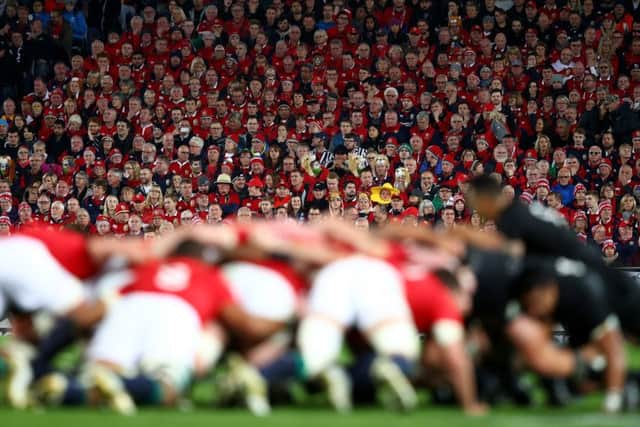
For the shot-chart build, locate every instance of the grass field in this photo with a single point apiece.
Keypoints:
(289, 417)
(584, 413)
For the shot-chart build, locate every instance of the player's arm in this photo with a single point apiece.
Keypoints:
(531, 338)
(268, 240)
(364, 242)
(425, 236)
(449, 335)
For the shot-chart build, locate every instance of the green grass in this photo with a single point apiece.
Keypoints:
(314, 417)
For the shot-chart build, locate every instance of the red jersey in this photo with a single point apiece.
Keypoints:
(428, 299)
(200, 285)
(67, 247)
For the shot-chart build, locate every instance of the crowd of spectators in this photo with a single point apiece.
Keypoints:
(132, 118)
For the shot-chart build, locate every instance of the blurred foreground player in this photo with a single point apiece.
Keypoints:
(41, 271)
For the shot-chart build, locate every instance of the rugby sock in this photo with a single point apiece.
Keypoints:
(286, 367)
(143, 390)
(75, 394)
(406, 366)
(61, 335)
(319, 341)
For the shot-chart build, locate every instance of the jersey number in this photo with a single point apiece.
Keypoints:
(173, 277)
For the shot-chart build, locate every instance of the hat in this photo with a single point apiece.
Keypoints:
(605, 204)
(239, 176)
(606, 162)
(102, 218)
(516, 63)
(3, 122)
(4, 220)
(608, 244)
(255, 182)
(319, 186)
(223, 178)
(415, 31)
(24, 205)
(543, 183)
(376, 196)
(435, 150)
(532, 4)
(122, 207)
(531, 154)
(476, 28)
(139, 198)
(6, 196)
(257, 159)
(579, 187)
(557, 78)
(624, 223)
(203, 180)
(635, 134)
(410, 211)
(99, 164)
(526, 197)
(579, 215)
(392, 140)
(406, 147)
(450, 158)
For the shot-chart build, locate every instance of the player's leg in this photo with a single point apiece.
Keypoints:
(384, 317)
(320, 335)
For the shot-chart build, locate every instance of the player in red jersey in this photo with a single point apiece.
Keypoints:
(41, 271)
(145, 348)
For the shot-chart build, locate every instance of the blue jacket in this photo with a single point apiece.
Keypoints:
(78, 24)
(566, 191)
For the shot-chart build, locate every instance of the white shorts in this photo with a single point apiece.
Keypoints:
(147, 332)
(32, 279)
(359, 291)
(261, 291)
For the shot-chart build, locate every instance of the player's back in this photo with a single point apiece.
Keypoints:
(200, 285)
(67, 247)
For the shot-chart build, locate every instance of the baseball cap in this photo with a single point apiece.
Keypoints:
(122, 207)
(319, 186)
(139, 198)
(255, 182)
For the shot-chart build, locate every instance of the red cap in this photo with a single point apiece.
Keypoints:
(435, 150)
(487, 108)
(122, 207)
(531, 154)
(415, 31)
(531, 4)
(24, 205)
(6, 196)
(392, 140)
(99, 163)
(476, 28)
(255, 182)
(606, 162)
(139, 198)
(102, 218)
(450, 158)
(257, 160)
(206, 112)
(635, 134)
